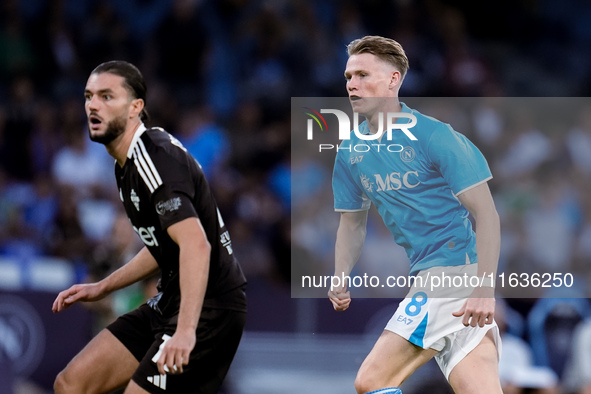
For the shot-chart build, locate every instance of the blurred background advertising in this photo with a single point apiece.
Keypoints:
(221, 76)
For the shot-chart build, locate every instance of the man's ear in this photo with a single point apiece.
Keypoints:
(136, 107)
(395, 79)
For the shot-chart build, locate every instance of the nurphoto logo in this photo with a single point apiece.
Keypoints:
(386, 124)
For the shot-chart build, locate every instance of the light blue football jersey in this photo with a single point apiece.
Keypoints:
(414, 184)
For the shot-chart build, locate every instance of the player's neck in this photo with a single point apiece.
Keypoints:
(119, 147)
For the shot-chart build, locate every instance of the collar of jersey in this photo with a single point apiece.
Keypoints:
(138, 133)
(364, 129)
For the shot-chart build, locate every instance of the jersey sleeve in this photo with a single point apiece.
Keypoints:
(458, 160)
(173, 199)
(348, 196)
(173, 205)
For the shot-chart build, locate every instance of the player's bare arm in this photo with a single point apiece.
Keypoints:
(480, 306)
(140, 267)
(194, 271)
(350, 238)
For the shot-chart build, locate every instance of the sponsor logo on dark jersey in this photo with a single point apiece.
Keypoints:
(168, 206)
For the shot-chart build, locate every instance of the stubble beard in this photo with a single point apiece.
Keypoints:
(115, 128)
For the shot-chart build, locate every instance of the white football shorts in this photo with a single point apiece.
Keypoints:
(425, 317)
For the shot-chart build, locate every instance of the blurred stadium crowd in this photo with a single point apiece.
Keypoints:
(220, 76)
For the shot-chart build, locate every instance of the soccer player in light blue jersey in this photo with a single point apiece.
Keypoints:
(424, 188)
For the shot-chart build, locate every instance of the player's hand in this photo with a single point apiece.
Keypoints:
(81, 292)
(340, 299)
(479, 308)
(176, 352)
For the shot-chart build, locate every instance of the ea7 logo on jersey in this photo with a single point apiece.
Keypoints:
(147, 235)
(395, 181)
(356, 159)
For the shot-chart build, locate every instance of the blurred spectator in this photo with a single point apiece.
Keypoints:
(466, 74)
(62, 44)
(578, 141)
(181, 42)
(205, 139)
(528, 148)
(40, 212)
(517, 370)
(11, 223)
(15, 142)
(551, 222)
(122, 245)
(83, 166)
(67, 235)
(141, 17)
(551, 324)
(16, 52)
(257, 212)
(84, 169)
(488, 124)
(577, 377)
(243, 129)
(104, 37)
(279, 182)
(46, 140)
(266, 71)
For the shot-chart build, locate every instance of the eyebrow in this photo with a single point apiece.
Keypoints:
(354, 72)
(101, 91)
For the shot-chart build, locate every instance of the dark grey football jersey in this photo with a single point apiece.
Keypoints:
(161, 184)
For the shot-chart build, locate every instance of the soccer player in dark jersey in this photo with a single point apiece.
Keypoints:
(184, 339)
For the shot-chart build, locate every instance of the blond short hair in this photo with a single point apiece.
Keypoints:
(385, 48)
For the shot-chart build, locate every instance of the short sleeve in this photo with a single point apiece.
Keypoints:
(172, 205)
(458, 160)
(173, 200)
(348, 196)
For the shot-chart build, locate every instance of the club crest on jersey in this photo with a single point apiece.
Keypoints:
(407, 154)
(367, 184)
(168, 206)
(135, 199)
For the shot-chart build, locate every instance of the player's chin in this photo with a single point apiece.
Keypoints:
(357, 104)
(95, 132)
(362, 110)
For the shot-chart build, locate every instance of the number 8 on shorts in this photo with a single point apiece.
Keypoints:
(414, 306)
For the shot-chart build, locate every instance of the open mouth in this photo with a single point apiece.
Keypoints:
(94, 120)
